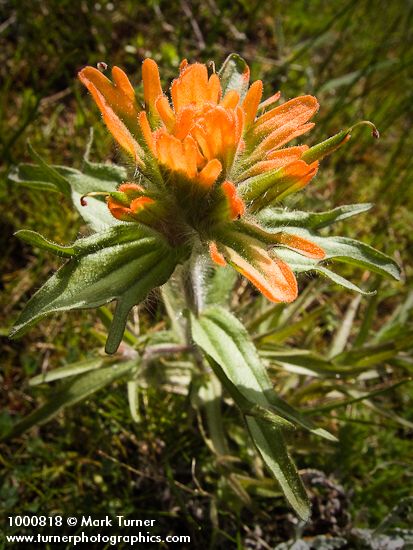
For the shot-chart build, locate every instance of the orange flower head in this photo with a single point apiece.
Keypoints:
(212, 155)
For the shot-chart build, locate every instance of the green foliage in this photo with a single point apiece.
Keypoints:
(80, 387)
(122, 263)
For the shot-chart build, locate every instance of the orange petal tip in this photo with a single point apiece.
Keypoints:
(236, 204)
(216, 256)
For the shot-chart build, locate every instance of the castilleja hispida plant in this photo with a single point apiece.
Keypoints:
(209, 166)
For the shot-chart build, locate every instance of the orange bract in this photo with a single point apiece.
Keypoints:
(218, 154)
(272, 277)
(151, 84)
(222, 129)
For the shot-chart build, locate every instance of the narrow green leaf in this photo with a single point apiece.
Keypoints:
(133, 399)
(38, 240)
(234, 75)
(68, 370)
(343, 332)
(72, 392)
(278, 217)
(269, 415)
(342, 281)
(349, 79)
(368, 316)
(302, 362)
(278, 334)
(270, 443)
(266, 431)
(248, 407)
(351, 401)
(373, 354)
(310, 364)
(50, 173)
(34, 177)
(398, 321)
(235, 361)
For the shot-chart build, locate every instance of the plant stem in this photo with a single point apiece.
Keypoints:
(194, 283)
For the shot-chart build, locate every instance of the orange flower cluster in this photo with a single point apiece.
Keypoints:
(208, 160)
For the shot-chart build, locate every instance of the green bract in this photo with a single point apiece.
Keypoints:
(122, 263)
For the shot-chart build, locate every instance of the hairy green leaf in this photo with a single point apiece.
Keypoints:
(38, 240)
(37, 177)
(280, 217)
(104, 171)
(74, 183)
(123, 263)
(270, 443)
(342, 281)
(235, 361)
(225, 339)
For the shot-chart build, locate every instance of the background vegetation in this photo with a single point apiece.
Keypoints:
(356, 57)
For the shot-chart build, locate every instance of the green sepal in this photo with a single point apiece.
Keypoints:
(126, 197)
(270, 187)
(120, 197)
(123, 263)
(326, 147)
(266, 186)
(234, 75)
